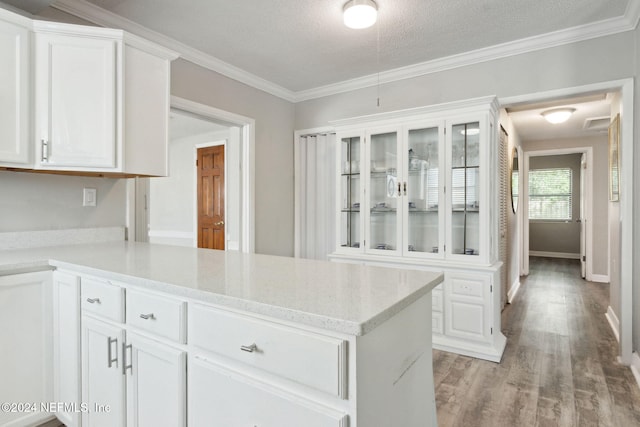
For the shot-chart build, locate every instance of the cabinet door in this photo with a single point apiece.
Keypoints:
(468, 307)
(220, 397)
(468, 234)
(75, 101)
(156, 384)
(25, 334)
(384, 192)
(66, 345)
(14, 94)
(350, 232)
(423, 191)
(103, 381)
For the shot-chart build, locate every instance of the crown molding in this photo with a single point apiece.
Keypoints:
(607, 27)
(99, 16)
(627, 22)
(15, 15)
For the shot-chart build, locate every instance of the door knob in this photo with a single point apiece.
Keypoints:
(219, 223)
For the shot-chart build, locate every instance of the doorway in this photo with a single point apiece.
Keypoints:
(176, 204)
(558, 207)
(621, 215)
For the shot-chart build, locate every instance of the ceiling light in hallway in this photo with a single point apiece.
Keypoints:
(558, 115)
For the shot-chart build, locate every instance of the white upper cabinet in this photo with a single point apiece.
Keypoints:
(14, 90)
(100, 97)
(76, 100)
(102, 101)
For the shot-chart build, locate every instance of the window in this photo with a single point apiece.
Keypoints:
(550, 194)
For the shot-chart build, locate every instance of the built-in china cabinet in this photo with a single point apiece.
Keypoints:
(416, 189)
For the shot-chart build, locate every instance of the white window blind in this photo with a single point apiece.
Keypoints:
(550, 192)
(464, 193)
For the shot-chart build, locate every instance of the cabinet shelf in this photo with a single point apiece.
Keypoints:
(355, 174)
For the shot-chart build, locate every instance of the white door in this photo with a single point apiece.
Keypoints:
(583, 220)
(66, 345)
(103, 382)
(156, 384)
(14, 87)
(75, 101)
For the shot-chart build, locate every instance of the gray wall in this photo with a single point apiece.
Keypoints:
(30, 201)
(558, 236)
(274, 146)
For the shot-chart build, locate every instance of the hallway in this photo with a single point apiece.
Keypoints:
(559, 365)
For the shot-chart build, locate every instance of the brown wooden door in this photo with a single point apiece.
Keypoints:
(210, 165)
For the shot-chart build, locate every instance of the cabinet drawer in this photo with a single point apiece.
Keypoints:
(102, 298)
(220, 397)
(312, 359)
(157, 314)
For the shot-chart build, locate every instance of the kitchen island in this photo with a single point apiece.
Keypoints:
(267, 340)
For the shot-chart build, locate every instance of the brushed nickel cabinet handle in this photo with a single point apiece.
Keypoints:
(44, 150)
(124, 358)
(93, 300)
(111, 359)
(148, 316)
(249, 348)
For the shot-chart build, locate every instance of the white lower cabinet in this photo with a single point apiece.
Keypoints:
(66, 346)
(156, 384)
(130, 377)
(103, 373)
(25, 352)
(221, 397)
(468, 299)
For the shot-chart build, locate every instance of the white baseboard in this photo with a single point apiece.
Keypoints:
(600, 278)
(172, 234)
(565, 255)
(515, 287)
(635, 367)
(613, 322)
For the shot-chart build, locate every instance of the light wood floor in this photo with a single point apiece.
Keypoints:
(559, 367)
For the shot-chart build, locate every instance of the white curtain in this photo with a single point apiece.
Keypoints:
(316, 189)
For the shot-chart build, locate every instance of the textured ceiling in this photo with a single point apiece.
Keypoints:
(302, 44)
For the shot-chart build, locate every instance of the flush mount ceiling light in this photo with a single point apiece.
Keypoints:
(558, 115)
(360, 13)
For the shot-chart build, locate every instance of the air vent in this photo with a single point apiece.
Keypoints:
(597, 124)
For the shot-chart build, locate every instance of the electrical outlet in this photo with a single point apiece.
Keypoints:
(89, 197)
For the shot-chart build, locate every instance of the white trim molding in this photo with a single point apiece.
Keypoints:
(248, 142)
(564, 255)
(600, 278)
(513, 291)
(627, 22)
(613, 322)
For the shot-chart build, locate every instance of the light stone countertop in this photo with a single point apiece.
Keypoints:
(345, 298)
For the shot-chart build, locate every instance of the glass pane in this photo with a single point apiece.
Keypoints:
(465, 188)
(350, 192)
(383, 192)
(423, 190)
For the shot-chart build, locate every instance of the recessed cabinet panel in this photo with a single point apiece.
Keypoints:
(76, 101)
(14, 94)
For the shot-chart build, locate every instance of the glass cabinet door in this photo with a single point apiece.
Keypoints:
(465, 188)
(423, 228)
(350, 184)
(384, 192)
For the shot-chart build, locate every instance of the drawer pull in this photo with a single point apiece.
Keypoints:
(93, 300)
(147, 316)
(124, 358)
(110, 357)
(249, 348)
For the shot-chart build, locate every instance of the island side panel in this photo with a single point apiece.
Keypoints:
(395, 371)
